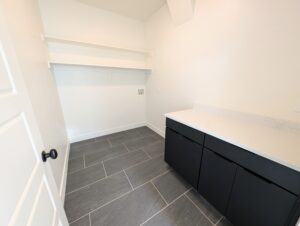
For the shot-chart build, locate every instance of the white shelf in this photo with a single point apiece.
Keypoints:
(92, 44)
(97, 65)
(63, 59)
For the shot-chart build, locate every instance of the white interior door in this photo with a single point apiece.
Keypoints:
(28, 195)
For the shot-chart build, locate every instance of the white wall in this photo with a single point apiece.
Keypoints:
(96, 101)
(99, 101)
(75, 20)
(237, 54)
(26, 29)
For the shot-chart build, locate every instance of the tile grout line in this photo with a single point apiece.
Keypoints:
(146, 153)
(154, 178)
(76, 171)
(119, 155)
(158, 212)
(128, 152)
(124, 193)
(114, 175)
(141, 162)
(94, 140)
(93, 152)
(89, 141)
(106, 160)
(109, 142)
(79, 149)
(126, 147)
(159, 193)
(85, 215)
(70, 172)
(123, 144)
(118, 173)
(94, 210)
(84, 166)
(92, 183)
(200, 210)
(90, 219)
(219, 221)
(187, 190)
(121, 196)
(128, 180)
(140, 137)
(104, 169)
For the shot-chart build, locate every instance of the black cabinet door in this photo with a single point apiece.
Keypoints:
(183, 155)
(255, 201)
(216, 179)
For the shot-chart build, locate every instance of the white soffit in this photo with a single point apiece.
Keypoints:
(181, 10)
(136, 9)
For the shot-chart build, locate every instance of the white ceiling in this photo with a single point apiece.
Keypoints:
(136, 9)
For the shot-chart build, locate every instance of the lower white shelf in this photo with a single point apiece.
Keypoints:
(97, 62)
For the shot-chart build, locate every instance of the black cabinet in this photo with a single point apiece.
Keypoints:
(183, 155)
(216, 179)
(281, 175)
(248, 189)
(256, 201)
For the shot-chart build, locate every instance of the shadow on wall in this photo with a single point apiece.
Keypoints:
(66, 75)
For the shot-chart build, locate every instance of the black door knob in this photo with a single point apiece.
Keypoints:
(52, 154)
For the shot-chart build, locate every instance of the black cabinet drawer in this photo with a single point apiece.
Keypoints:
(186, 131)
(216, 179)
(255, 201)
(279, 174)
(183, 155)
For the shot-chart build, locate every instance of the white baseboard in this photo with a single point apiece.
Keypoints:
(100, 133)
(63, 183)
(155, 129)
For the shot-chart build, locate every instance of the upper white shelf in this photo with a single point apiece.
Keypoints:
(92, 44)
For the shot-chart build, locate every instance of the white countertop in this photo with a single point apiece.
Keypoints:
(272, 139)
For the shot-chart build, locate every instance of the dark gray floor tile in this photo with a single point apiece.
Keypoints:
(155, 149)
(89, 148)
(82, 143)
(104, 154)
(142, 132)
(180, 213)
(81, 202)
(101, 138)
(122, 138)
(119, 163)
(158, 137)
(85, 221)
(171, 186)
(146, 171)
(224, 222)
(84, 177)
(205, 206)
(130, 210)
(113, 136)
(140, 143)
(75, 164)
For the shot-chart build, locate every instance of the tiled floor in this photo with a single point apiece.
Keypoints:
(122, 180)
